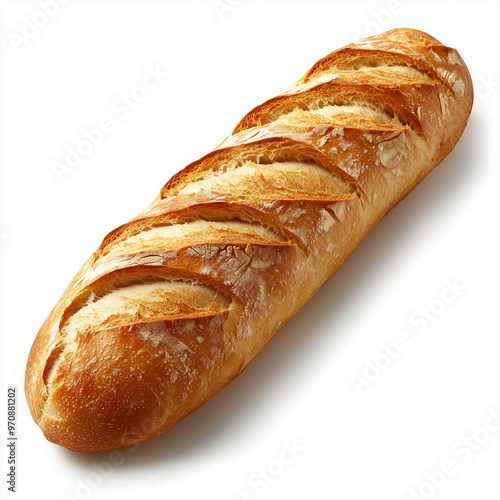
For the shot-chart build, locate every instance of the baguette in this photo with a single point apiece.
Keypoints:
(174, 304)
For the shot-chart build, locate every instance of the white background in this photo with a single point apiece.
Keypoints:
(376, 444)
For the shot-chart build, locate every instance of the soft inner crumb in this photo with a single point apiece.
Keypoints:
(142, 302)
(286, 177)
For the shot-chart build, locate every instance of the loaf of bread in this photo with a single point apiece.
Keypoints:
(174, 304)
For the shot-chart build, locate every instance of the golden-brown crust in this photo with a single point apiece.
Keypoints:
(261, 151)
(107, 395)
(175, 303)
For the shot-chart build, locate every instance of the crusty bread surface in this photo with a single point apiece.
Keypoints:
(174, 304)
